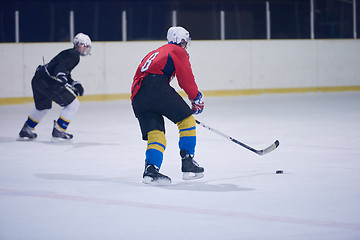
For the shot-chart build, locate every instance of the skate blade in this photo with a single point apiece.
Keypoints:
(192, 176)
(61, 140)
(159, 182)
(25, 139)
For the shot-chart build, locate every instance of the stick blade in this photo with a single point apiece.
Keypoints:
(271, 148)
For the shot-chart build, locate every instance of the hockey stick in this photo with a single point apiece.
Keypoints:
(272, 147)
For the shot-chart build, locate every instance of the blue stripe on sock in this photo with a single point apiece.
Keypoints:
(62, 123)
(31, 123)
(157, 143)
(187, 129)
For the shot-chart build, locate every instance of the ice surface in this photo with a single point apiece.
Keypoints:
(92, 189)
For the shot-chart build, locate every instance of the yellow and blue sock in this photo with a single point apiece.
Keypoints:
(155, 148)
(31, 122)
(187, 132)
(62, 123)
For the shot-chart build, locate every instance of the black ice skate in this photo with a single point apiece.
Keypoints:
(152, 176)
(190, 168)
(26, 133)
(59, 135)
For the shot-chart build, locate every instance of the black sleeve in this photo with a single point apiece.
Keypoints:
(64, 63)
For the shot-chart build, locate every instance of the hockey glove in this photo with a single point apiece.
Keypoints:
(61, 78)
(78, 88)
(198, 103)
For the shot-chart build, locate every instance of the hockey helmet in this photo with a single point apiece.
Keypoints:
(83, 40)
(179, 36)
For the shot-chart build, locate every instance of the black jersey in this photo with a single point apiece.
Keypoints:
(64, 62)
(46, 87)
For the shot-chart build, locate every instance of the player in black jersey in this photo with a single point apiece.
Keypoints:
(53, 82)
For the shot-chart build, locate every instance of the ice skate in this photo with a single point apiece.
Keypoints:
(152, 176)
(190, 168)
(59, 135)
(26, 133)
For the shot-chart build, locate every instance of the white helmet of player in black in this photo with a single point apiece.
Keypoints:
(82, 43)
(179, 36)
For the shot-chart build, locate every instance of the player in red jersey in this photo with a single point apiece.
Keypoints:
(153, 99)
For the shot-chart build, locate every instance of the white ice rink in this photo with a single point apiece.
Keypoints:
(91, 189)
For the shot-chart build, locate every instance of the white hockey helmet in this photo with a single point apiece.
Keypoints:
(178, 36)
(84, 40)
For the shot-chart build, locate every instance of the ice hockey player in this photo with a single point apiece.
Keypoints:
(153, 99)
(53, 82)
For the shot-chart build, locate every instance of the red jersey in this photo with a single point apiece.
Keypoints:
(169, 60)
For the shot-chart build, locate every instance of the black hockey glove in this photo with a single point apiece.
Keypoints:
(61, 78)
(78, 88)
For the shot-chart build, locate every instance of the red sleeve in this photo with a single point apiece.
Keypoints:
(138, 78)
(184, 72)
